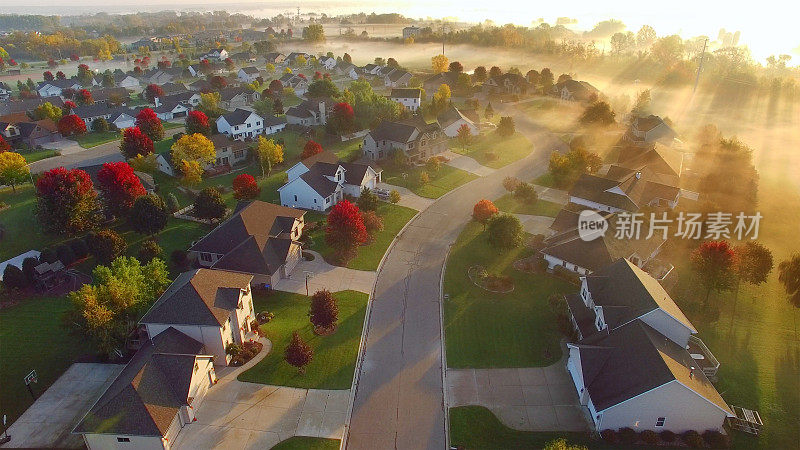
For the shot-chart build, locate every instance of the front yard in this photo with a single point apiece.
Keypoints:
(485, 330)
(369, 256)
(38, 155)
(441, 182)
(493, 151)
(334, 359)
(307, 443)
(93, 139)
(509, 203)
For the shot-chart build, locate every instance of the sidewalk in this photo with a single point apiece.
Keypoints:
(552, 194)
(325, 276)
(467, 164)
(408, 198)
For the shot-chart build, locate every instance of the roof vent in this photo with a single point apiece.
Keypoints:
(638, 175)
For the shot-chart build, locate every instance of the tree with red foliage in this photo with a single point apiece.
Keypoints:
(345, 230)
(317, 75)
(245, 187)
(4, 147)
(276, 86)
(372, 222)
(66, 201)
(135, 143)
(48, 76)
(61, 75)
(205, 66)
(153, 91)
(324, 312)
(84, 97)
(164, 64)
(119, 186)
(69, 105)
(74, 57)
(71, 125)
(483, 211)
(218, 82)
(713, 262)
(342, 119)
(150, 124)
(310, 149)
(301, 76)
(197, 122)
(137, 71)
(298, 353)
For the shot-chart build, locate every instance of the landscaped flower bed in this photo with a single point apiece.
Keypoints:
(241, 354)
(500, 284)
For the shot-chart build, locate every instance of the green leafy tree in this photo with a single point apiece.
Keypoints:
(368, 200)
(106, 245)
(13, 169)
(209, 204)
(526, 193)
(713, 263)
(394, 196)
(506, 127)
(149, 214)
(505, 231)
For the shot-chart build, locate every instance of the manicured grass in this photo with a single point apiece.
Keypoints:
(164, 146)
(441, 182)
(92, 139)
(32, 338)
(334, 359)
(485, 330)
(347, 150)
(307, 443)
(172, 125)
(508, 203)
(494, 151)
(38, 155)
(369, 256)
(546, 180)
(476, 427)
(22, 230)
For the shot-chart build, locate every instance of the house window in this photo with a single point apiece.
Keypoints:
(295, 197)
(248, 125)
(238, 153)
(196, 367)
(122, 439)
(205, 257)
(660, 421)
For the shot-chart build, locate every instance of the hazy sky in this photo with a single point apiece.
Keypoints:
(767, 26)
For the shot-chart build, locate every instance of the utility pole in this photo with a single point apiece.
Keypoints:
(442, 37)
(700, 66)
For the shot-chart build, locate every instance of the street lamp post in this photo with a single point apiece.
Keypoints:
(6, 437)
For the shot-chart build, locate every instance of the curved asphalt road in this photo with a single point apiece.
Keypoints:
(399, 399)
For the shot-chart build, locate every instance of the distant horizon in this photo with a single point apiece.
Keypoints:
(762, 31)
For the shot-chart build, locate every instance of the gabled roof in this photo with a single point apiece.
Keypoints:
(450, 116)
(626, 188)
(634, 359)
(59, 83)
(396, 75)
(145, 397)
(260, 254)
(229, 93)
(28, 104)
(250, 70)
(255, 218)
(238, 116)
(201, 297)
(393, 131)
(406, 93)
(93, 110)
(660, 159)
(173, 88)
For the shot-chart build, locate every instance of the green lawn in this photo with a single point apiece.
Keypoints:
(172, 125)
(475, 427)
(347, 150)
(485, 330)
(93, 139)
(307, 443)
(334, 356)
(32, 337)
(369, 256)
(546, 180)
(494, 151)
(22, 230)
(38, 155)
(509, 203)
(441, 182)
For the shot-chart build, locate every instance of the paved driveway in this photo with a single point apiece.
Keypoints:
(536, 224)
(533, 399)
(326, 276)
(50, 420)
(399, 399)
(408, 198)
(466, 163)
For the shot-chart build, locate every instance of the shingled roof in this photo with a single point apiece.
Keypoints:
(199, 297)
(393, 131)
(145, 397)
(450, 116)
(634, 359)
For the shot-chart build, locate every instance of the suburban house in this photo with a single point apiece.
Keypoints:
(90, 113)
(168, 111)
(240, 124)
(347, 69)
(296, 82)
(411, 98)
(397, 78)
(411, 31)
(28, 104)
(200, 86)
(122, 118)
(162, 76)
(575, 91)
(229, 152)
(275, 58)
(311, 112)
(236, 97)
(650, 130)
(55, 87)
(259, 239)
(112, 95)
(189, 98)
(327, 62)
(214, 307)
(5, 91)
(291, 58)
(431, 85)
(244, 57)
(218, 54)
(173, 88)
(320, 181)
(419, 141)
(451, 120)
(507, 83)
(637, 363)
(154, 396)
(637, 179)
(248, 74)
(19, 130)
(371, 69)
(566, 249)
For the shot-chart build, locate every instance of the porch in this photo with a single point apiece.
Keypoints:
(703, 357)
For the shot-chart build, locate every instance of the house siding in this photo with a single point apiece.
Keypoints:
(211, 337)
(109, 441)
(306, 197)
(668, 326)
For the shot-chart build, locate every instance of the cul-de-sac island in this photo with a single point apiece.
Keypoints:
(315, 226)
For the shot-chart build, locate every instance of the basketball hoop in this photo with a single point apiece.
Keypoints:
(32, 377)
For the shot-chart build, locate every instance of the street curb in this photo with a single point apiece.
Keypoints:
(445, 403)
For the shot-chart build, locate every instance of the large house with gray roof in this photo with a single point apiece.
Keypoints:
(649, 130)
(418, 140)
(260, 239)
(637, 363)
(154, 396)
(311, 112)
(322, 180)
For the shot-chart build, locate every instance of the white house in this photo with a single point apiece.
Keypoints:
(327, 62)
(154, 396)
(296, 82)
(637, 363)
(5, 91)
(168, 111)
(260, 239)
(218, 54)
(55, 87)
(122, 118)
(320, 181)
(240, 124)
(451, 120)
(214, 307)
(411, 98)
(248, 74)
